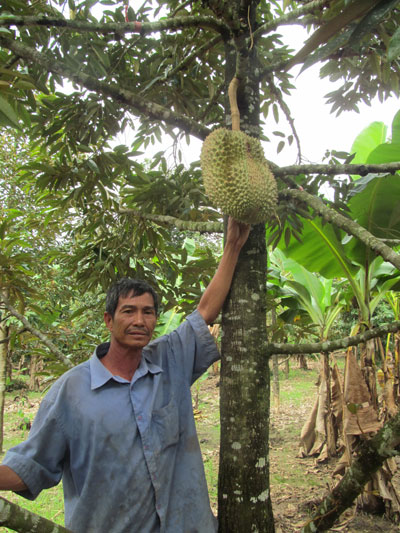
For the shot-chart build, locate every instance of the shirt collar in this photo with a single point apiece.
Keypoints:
(99, 374)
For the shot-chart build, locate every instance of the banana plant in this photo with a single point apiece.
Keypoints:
(373, 203)
(319, 298)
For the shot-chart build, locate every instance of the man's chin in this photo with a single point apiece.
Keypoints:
(138, 341)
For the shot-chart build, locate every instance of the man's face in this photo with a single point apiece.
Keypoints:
(134, 320)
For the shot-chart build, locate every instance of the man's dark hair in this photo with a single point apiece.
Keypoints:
(124, 287)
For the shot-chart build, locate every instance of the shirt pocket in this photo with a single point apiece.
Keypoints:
(166, 425)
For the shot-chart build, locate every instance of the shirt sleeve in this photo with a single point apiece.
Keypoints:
(38, 461)
(193, 346)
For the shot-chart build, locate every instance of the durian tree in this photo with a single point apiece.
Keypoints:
(76, 74)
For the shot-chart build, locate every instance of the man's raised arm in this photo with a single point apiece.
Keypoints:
(214, 296)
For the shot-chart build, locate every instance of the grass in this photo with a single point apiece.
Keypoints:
(300, 385)
(20, 409)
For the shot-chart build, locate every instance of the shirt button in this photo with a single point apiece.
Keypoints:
(140, 417)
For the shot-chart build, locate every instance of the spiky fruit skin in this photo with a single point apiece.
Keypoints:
(236, 176)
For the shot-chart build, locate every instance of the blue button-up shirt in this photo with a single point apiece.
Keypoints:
(128, 452)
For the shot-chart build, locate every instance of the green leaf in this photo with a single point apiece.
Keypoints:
(372, 20)
(396, 128)
(275, 112)
(370, 137)
(384, 153)
(394, 46)
(90, 163)
(353, 407)
(333, 27)
(8, 114)
(325, 51)
(320, 251)
(374, 203)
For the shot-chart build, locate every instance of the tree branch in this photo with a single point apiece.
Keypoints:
(133, 101)
(144, 28)
(213, 100)
(371, 454)
(285, 108)
(182, 6)
(6, 339)
(345, 223)
(19, 519)
(52, 347)
(183, 225)
(197, 52)
(289, 17)
(337, 344)
(334, 170)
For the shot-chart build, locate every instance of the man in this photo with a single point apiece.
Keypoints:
(119, 428)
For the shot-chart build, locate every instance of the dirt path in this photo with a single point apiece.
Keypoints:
(297, 485)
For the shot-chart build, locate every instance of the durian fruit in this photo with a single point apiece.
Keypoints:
(236, 176)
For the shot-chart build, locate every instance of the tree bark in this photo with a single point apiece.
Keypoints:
(334, 170)
(35, 366)
(331, 346)
(244, 495)
(275, 367)
(3, 378)
(303, 362)
(275, 382)
(286, 367)
(15, 517)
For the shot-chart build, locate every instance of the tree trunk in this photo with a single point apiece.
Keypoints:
(303, 362)
(275, 367)
(275, 387)
(286, 367)
(243, 486)
(3, 378)
(329, 424)
(396, 370)
(34, 366)
(243, 492)
(4, 331)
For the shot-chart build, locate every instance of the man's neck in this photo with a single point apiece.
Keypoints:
(122, 361)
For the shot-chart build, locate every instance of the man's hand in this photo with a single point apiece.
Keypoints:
(214, 296)
(237, 232)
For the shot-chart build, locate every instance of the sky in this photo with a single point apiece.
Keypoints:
(317, 128)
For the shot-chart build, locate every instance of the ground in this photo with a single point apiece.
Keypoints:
(297, 485)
